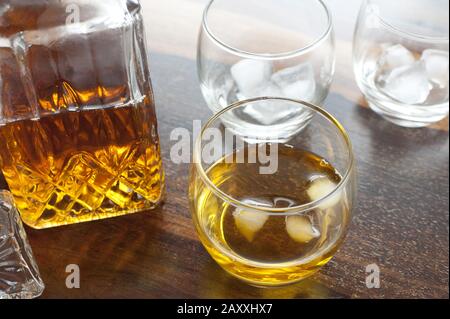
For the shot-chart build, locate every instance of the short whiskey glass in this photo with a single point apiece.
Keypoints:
(265, 48)
(401, 59)
(272, 211)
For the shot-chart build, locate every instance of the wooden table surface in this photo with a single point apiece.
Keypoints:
(401, 222)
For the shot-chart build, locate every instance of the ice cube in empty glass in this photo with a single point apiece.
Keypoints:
(401, 60)
(19, 274)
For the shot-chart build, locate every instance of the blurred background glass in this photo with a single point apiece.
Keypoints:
(401, 59)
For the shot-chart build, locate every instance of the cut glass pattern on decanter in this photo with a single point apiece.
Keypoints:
(19, 274)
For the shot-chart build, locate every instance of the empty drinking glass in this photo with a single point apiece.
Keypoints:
(258, 48)
(401, 59)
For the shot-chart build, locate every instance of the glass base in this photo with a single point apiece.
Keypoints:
(69, 219)
(270, 284)
(415, 119)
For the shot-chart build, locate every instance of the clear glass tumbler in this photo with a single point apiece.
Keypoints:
(271, 48)
(272, 211)
(401, 59)
(78, 129)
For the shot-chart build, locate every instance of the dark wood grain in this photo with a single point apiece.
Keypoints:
(401, 222)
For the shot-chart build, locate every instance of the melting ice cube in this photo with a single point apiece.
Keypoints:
(297, 82)
(396, 56)
(250, 222)
(268, 113)
(437, 66)
(250, 75)
(300, 229)
(408, 84)
(267, 89)
(319, 188)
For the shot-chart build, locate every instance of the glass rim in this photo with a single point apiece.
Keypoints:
(408, 34)
(268, 56)
(197, 162)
